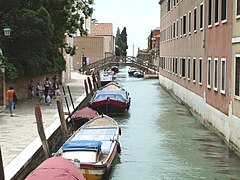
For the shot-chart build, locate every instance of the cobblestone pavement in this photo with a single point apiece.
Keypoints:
(19, 131)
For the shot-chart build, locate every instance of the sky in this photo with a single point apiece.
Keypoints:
(138, 16)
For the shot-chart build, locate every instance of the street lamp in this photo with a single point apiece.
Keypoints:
(84, 62)
(7, 32)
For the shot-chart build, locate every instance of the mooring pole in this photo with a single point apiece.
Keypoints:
(86, 86)
(90, 85)
(1, 166)
(38, 115)
(62, 118)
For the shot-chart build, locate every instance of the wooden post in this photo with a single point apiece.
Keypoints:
(62, 118)
(1, 166)
(90, 85)
(86, 86)
(94, 81)
(38, 115)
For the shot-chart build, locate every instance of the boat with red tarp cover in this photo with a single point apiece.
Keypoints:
(56, 168)
(110, 99)
(81, 116)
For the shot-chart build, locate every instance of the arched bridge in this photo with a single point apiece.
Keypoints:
(147, 67)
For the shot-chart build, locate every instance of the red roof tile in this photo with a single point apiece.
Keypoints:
(102, 29)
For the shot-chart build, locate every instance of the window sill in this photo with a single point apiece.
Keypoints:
(209, 26)
(188, 79)
(200, 84)
(223, 92)
(195, 31)
(224, 21)
(208, 86)
(215, 89)
(237, 97)
(194, 81)
(216, 24)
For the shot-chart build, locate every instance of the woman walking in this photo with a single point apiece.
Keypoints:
(10, 99)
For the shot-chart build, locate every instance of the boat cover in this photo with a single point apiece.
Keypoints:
(104, 135)
(81, 144)
(102, 95)
(56, 168)
(85, 113)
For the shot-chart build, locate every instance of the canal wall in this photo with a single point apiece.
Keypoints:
(226, 127)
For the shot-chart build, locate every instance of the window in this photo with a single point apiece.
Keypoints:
(176, 66)
(223, 75)
(168, 5)
(180, 67)
(181, 27)
(183, 67)
(201, 16)
(216, 11)
(174, 3)
(215, 74)
(224, 11)
(189, 68)
(195, 19)
(238, 8)
(200, 71)
(173, 65)
(177, 29)
(185, 24)
(209, 73)
(194, 69)
(189, 22)
(209, 12)
(237, 76)
(174, 30)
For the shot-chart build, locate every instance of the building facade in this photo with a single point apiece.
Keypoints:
(197, 59)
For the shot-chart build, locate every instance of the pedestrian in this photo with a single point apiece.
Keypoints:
(40, 91)
(15, 99)
(10, 99)
(47, 89)
(56, 86)
(30, 89)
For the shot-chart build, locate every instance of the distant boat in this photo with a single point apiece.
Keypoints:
(95, 145)
(110, 99)
(115, 69)
(131, 70)
(81, 116)
(56, 168)
(106, 76)
(138, 74)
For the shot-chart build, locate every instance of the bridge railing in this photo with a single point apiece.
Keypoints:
(122, 60)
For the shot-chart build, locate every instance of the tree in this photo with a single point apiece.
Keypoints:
(121, 42)
(38, 31)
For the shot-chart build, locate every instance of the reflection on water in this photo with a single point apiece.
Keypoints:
(162, 140)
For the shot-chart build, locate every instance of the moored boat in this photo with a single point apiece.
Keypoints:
(115, 69)
(138, 74)
(56, 168)
(95, 144)
(110, 99)
(106, 77)
(81, 116)
(131, 70)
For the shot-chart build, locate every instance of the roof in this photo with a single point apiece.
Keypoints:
(102, 29)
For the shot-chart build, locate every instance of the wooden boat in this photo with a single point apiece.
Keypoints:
(81, 116)
(131, 70)
(56, 168)
(106, 77)
(138, 74)
(115, 69)
(95, 144)
(110, 99)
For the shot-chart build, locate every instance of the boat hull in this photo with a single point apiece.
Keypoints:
(110, 106)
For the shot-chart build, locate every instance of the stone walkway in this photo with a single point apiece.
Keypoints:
(19, 131)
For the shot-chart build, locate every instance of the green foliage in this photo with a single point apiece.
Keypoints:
(38, 31)
(121, 42)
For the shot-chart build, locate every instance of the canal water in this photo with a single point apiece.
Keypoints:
(162, 140)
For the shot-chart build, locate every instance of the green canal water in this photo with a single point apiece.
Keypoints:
(162, 140)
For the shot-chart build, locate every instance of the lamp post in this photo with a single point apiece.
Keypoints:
(83, 60)
(7, 32)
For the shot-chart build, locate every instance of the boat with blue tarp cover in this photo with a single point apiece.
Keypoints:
(95, 144)
(110, 99)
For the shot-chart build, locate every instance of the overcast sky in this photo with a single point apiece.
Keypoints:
(138, 16)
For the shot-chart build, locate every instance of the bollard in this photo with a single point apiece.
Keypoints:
(86, 86)
(38, 115)
(62, 118)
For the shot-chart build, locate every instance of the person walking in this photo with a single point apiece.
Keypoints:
(10, 99)
(30, 89)
(40, 91)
